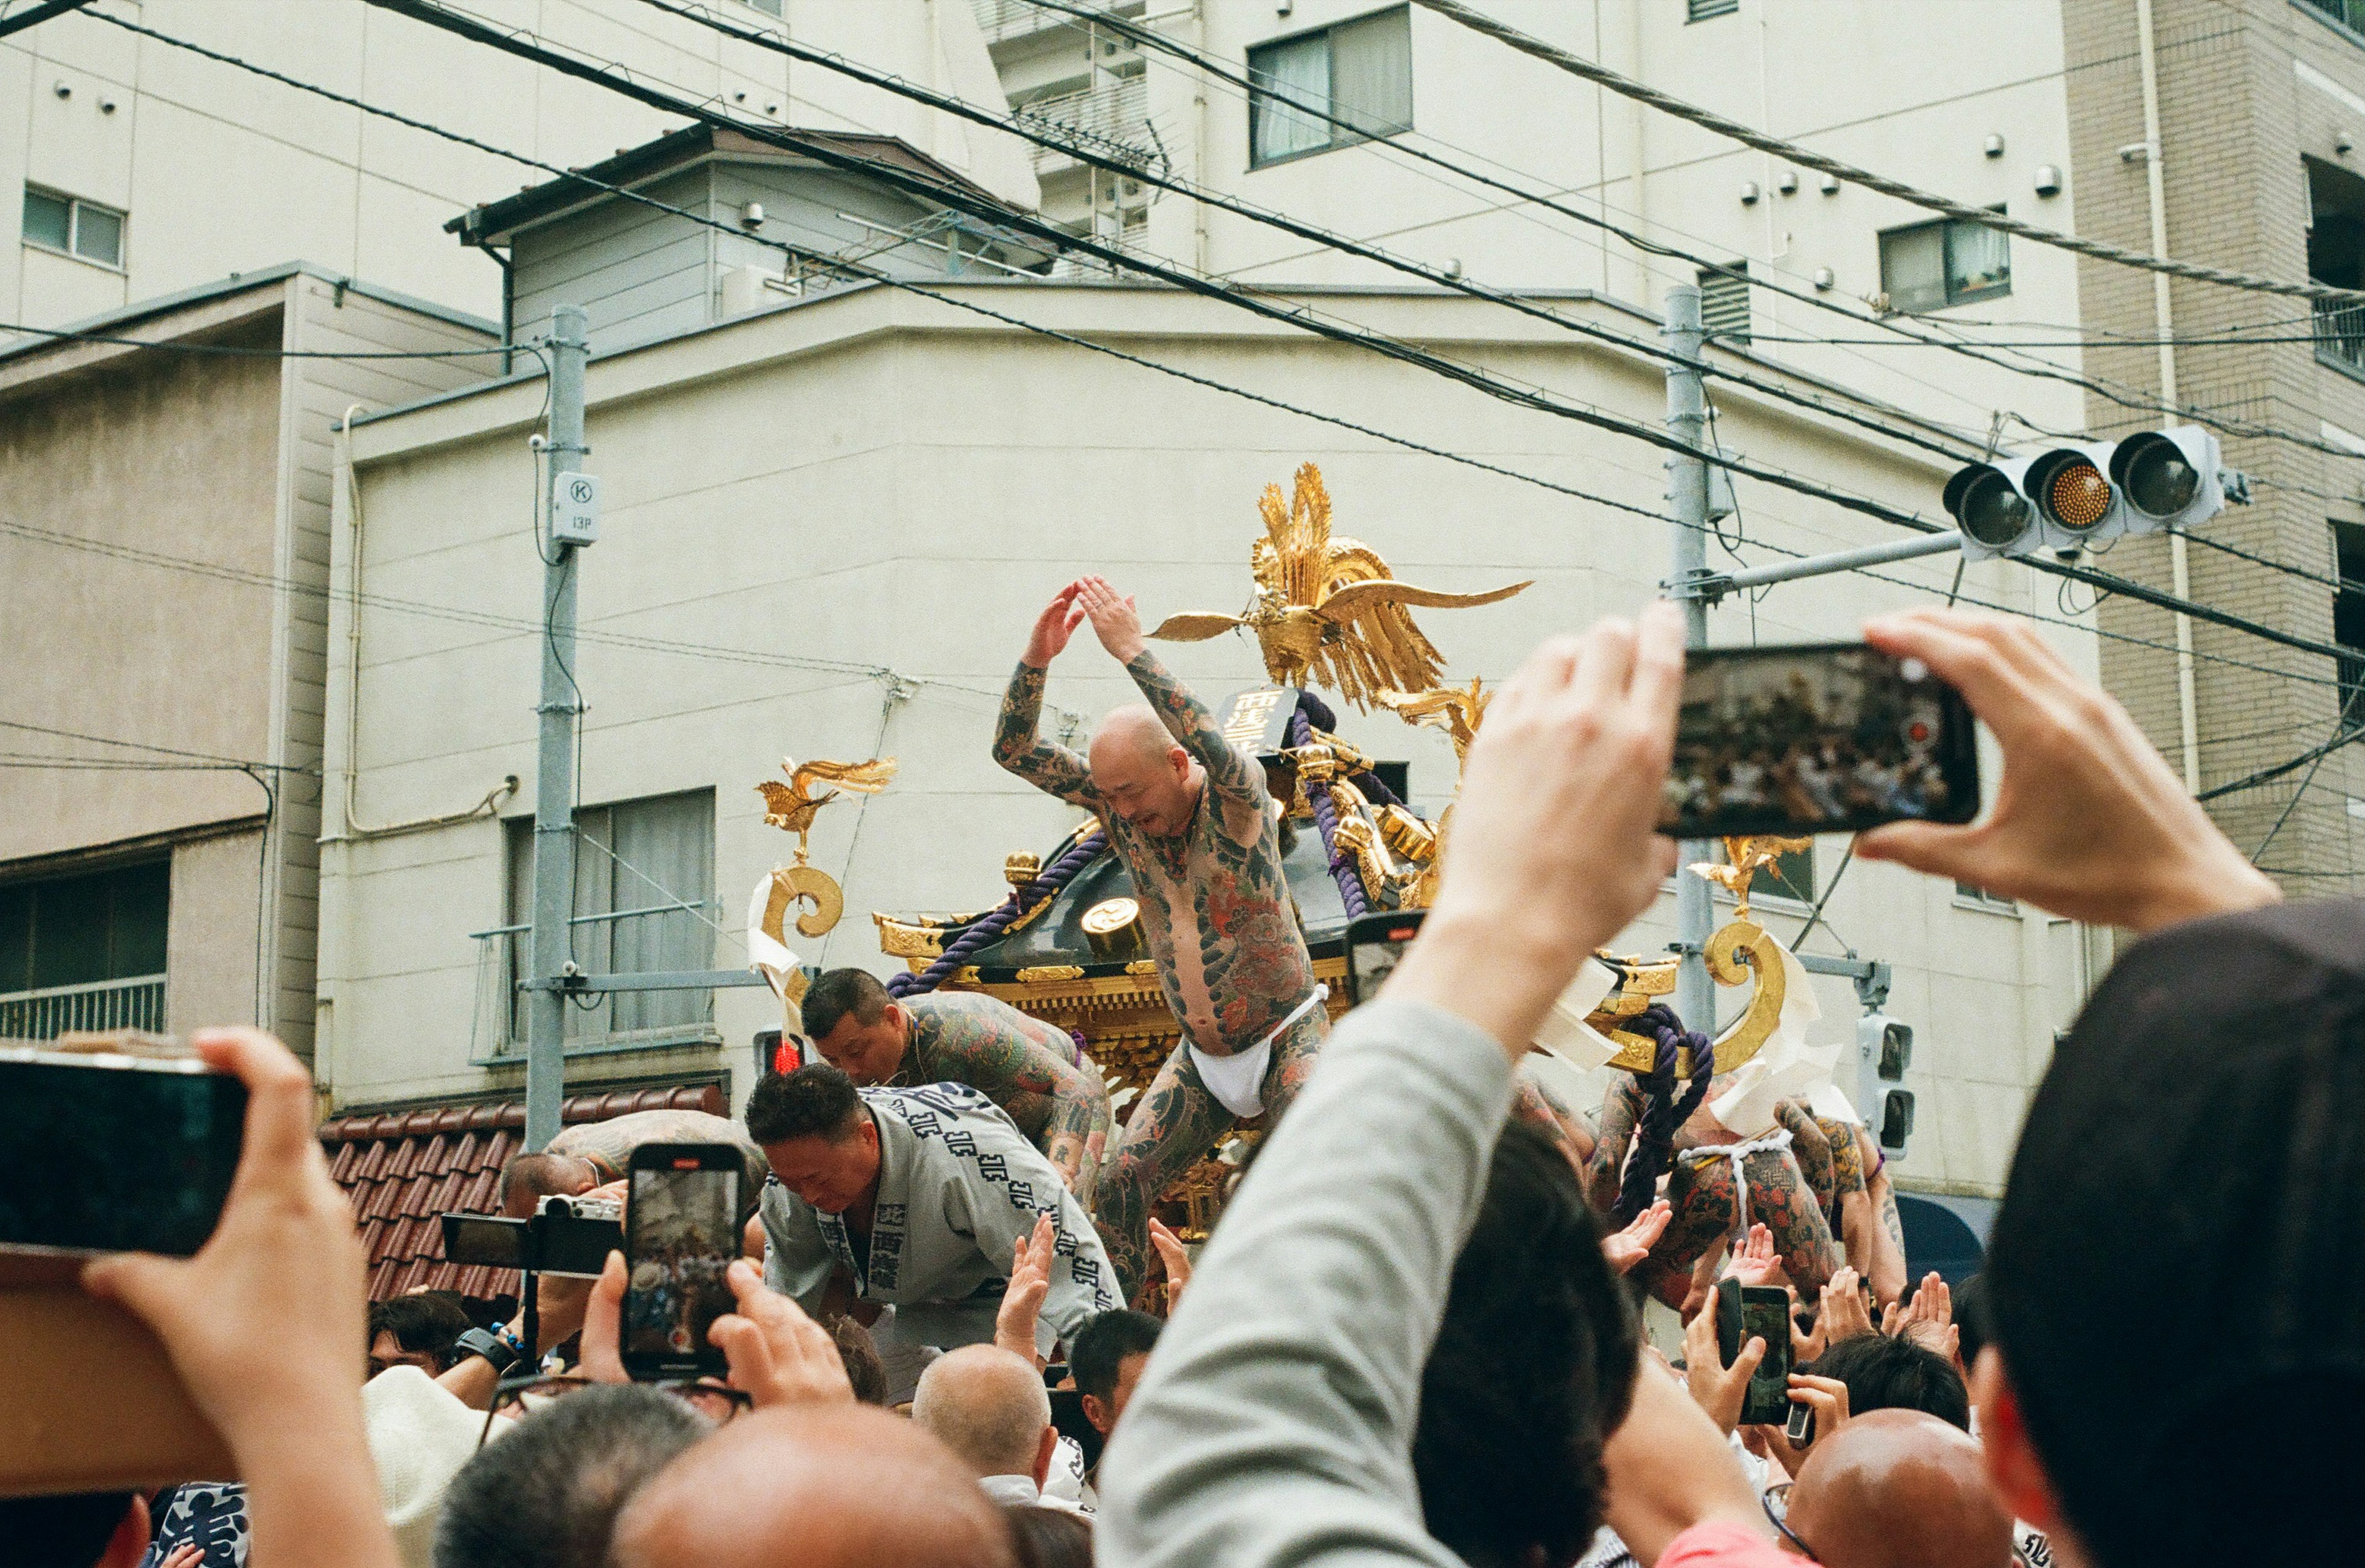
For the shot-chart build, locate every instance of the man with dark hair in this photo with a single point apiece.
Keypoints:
(414, 1331)
(591, 1154)
(919, 1198)
(1532, 1368)
(1106, 1357)
(1890, 1371)
(1035, 1073)
(547, 1493)
(85, 1530)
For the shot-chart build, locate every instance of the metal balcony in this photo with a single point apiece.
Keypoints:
(137, 1002)
(1002, 21)
(2340, 336)
(1113, 121)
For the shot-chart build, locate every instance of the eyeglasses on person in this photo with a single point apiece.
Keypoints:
(719, 1403)
(1776, 1501)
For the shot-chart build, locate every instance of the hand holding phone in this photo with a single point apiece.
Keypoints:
(681, 1232)
(1758, 1312)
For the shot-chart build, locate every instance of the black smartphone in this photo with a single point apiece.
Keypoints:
(1375, 945)
(1758, 1312)
(1825, 737)
(1799, 1430)
(681, 1231)
(114, 1151)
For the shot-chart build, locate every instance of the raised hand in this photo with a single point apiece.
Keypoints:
(1022, 1301)
(1177, 1259)
(1553, 850)
(777, 1353)
(1841, 1314)
(2088, 821)
(1755, 1262)
(1626, 1247)
(1928, 1319)
(1719, 1389)
(1054, 627)
(1115, 620)
(1828, 1397)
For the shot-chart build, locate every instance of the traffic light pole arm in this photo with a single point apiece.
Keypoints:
(1713, 585)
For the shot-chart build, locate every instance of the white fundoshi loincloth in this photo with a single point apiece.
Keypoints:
(1237, 1081)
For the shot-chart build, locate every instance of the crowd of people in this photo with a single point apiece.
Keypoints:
(1412, 1336)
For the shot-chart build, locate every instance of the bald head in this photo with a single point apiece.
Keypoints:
(989, 1406)
(835, 1487)
(1900, 1489)
(1139, 770)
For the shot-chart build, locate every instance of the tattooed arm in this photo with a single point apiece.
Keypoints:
(1028, 1068)
(1050, 767)
(1621, 1107)
(1229, 772)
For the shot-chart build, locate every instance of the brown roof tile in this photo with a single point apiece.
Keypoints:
(405, 1170)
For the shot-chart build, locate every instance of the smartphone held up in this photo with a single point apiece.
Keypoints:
(1831, 737)
(681, 1231)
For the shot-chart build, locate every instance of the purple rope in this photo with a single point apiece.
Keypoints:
(1662, 1111)
(984, 929)
(1325, 813)
(1318, 715)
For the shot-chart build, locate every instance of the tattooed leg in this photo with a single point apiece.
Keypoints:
(1176, 1122)
(1621, 1109)
(1534, 1105)
(1813, 1152)
(1293, 1056)
(1780, 1200)
(1700, 1193)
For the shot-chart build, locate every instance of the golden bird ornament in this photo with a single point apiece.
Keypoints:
(1327, 610)
(791, 807)
(1456, 710)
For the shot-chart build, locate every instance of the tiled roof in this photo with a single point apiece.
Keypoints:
(405, 1170)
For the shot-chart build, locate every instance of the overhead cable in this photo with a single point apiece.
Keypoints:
(1806, 158)
(171, 345)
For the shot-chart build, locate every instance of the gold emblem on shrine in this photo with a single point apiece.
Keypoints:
(791, 807)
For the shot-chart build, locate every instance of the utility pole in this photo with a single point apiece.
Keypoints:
(1687, 493)
(554, 787)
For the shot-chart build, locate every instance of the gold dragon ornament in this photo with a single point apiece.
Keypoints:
(792, 807)
(1458, 710)
(1326, 608)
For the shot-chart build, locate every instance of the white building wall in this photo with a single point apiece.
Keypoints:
(867, 484)
(222, 171)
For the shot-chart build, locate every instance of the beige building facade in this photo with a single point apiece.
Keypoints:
(163, 534)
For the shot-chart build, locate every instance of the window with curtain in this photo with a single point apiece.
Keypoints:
(637, 863)
(1928, 266)
(1359, 72)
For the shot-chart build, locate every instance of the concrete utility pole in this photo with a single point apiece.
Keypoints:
(1687, 494)
(554, 787)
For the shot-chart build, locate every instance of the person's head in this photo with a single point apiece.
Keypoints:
(1898, 1489)
(414, 1331)
(1049, 1538)
(545, 1493)
(1533, 1370)
(812, 1126)
(1107, 1356)
(859, 1353)
(1143, 775)
(833, 1486)
(82, 1530)
(2177, 1336)
(855, 1025)
(1889, 1372)
(990, 1408)
(527, 1178)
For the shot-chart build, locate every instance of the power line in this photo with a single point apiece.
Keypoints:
(179, 346)
(1601, 76)
(211, 759)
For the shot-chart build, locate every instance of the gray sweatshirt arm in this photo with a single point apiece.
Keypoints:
(1274, 1424)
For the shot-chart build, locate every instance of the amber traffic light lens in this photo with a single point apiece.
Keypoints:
(2079, 497)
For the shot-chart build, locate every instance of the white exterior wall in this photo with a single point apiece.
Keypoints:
(222, 171)
(870, 481)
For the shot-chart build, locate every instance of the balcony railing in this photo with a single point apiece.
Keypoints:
(1000, 20)
(1113, 121)
(2340, 336)
(134, 1003)
(667, 937)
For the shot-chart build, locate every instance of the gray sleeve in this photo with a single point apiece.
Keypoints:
(997, 1213)
(797, 1261)
(1275, 1423)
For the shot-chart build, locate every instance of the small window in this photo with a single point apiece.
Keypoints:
(1359, 71)
(1932, 265)
(80, 227)
(1977, 897)
(769, 8)
(2349, 13)
(1701, 10)
(1724, 302)
(2349, 610)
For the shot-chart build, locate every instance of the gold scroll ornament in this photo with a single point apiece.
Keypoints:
(791, 807)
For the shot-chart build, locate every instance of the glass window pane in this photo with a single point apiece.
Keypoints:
(669, 842)
(1371, 73)
(70, 931)
(46, 218)
(1913, 267)
(15, 937)
(1288, 76)
(98, 234)
(1978, 260)
(136, 921)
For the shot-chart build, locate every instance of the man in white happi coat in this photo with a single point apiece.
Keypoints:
(916, 1199)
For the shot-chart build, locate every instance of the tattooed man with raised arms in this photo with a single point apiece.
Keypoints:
(1035, 1073)
(1189, 815)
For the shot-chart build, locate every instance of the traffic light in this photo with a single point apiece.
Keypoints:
(1884, 1051)
(2075, 497)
